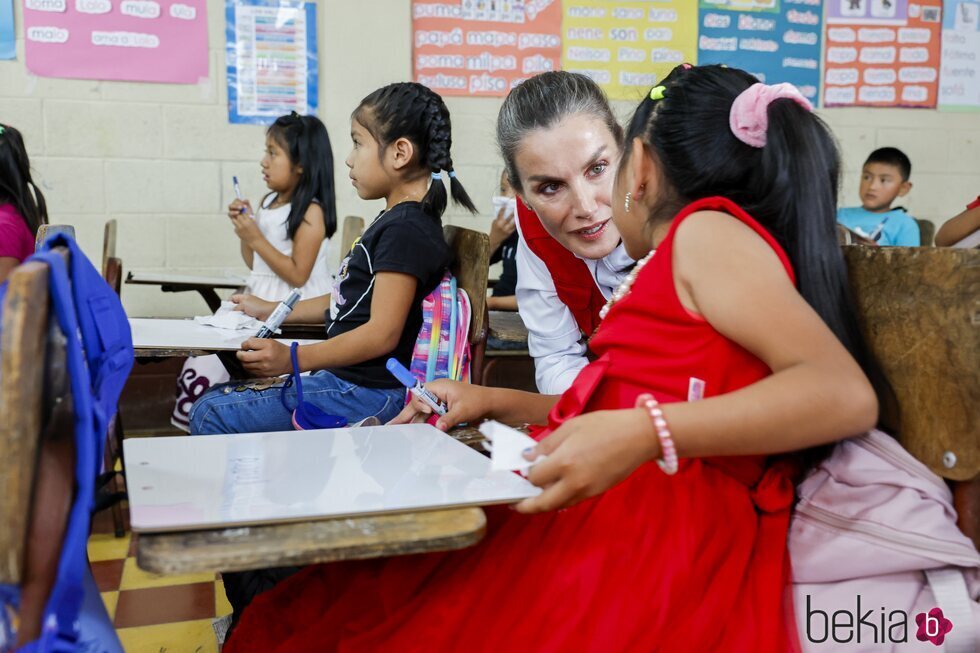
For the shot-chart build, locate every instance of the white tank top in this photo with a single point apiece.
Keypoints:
(265, 283)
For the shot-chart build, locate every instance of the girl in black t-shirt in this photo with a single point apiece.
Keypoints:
(402, 139)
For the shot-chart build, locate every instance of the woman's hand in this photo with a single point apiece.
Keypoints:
(235, 208)
(465, 402)
(247, 229)
(588, 455)
(258, 308)
(265, 357)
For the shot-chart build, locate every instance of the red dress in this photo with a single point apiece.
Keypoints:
(692, 562)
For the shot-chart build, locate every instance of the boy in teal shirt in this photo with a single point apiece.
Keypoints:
(885, 178)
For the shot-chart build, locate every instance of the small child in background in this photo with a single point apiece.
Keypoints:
(503, 247)
(22, 207)
(884, 179)
(285, 242)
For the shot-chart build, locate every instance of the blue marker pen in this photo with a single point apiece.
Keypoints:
(278, 316)
(415, 386)
(238, 192)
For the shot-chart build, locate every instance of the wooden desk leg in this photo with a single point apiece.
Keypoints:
(966, 500)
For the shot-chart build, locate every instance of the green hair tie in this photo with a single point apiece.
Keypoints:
(657, 92)
(2, 128)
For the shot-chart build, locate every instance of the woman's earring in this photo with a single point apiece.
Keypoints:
(626, 203)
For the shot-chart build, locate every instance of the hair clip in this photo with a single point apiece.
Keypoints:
(657, 92)
(686, 66)
(2, 128)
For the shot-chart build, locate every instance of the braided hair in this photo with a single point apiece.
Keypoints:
(413, 111)
(305, 140)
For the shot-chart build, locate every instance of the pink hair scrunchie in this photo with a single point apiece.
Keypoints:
(749, 119)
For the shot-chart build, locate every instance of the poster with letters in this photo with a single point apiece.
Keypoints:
(882, 53)
(131, 40)
(959, 76)
(483, 47)
(628, 47)
(271, 55)
(775, 40)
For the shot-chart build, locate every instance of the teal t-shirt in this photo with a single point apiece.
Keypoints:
(897, 226)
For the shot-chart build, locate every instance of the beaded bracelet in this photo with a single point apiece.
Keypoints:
(668, 453)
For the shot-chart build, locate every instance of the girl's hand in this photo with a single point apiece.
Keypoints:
(235, 208)
(247, 229)
(258, 308)
(501, 229)
(465, 402)
(265, 357)
(588, 455)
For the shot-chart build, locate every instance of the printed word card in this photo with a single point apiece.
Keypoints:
(777, 41)
(882, 53)
(132, 40)
(483, 47)
(628, 47)
(959, 79)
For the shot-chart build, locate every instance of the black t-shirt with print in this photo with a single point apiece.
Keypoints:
(404, 239)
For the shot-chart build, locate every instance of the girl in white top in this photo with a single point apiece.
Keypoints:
(285, 242)
(559, 139)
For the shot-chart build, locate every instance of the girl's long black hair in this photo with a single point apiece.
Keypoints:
(306, 141)
(789, 185)
(413, 111)
(16, 185)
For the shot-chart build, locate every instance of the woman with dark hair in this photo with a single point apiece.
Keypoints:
(22, 207)
(665, 519)
(559, 140)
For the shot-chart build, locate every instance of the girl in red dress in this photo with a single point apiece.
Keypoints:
(744, 303)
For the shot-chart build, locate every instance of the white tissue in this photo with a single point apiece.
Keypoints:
(508, 445)
(226, 317)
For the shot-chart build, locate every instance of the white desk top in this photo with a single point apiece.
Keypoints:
(216, 481)
(159, 333)
(164, 278)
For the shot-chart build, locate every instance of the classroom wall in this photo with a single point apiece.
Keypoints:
(159, 158)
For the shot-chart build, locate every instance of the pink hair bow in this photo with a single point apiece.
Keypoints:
(749, 118)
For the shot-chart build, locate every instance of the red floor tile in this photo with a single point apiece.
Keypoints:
(107, 574)
(145, 607)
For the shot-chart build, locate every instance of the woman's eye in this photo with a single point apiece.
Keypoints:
(548, 189)
(598, 168)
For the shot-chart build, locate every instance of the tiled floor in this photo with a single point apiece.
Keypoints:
(153, 613)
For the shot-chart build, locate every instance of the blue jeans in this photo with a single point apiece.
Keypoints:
(237, 407)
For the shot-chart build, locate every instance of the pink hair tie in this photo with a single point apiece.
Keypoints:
(749, 118)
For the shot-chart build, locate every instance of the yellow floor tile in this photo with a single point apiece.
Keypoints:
(221, 604)
(106, 546)
(182, 637)
(110, 599)
(133, 577)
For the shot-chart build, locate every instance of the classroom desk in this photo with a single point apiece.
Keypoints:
(167, 338)
(508, 335)
(203, 284)
(313, 542)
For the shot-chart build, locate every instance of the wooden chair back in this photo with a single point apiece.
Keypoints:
(920, 314)
(471, 267)
(108, 245)
(37, 465)
(927, 232)
(351, 231)
(46, 230)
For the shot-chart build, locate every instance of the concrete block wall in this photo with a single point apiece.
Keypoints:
(159, 157)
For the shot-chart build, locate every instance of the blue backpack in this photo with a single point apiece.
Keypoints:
(99, 355)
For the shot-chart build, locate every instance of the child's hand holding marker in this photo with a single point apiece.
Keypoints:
(463, 402)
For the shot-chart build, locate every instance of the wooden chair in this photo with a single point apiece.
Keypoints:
(471, 267)
(920, 315)
(112, 272)
(109, 247)
(36, 468)
(927, 232)
(46, 230)
(351, 231)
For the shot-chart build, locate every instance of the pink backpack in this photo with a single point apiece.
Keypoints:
(878, 561)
